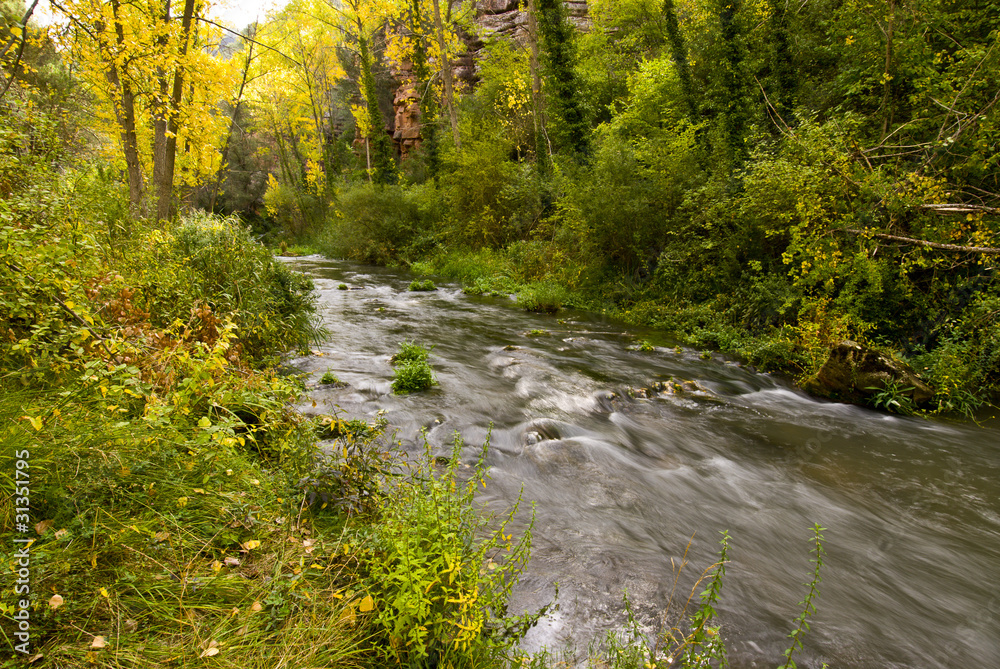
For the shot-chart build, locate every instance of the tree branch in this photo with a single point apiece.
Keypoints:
(984, 250)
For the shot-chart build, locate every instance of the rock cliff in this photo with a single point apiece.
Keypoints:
(494, 19)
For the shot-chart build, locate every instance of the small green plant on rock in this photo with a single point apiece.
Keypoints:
(412, 377)
(547, 296)
(342, 286)
(329, 378)
(412, 372)
(893, 397)
(422, 286)
(646, 346)
(410, 352)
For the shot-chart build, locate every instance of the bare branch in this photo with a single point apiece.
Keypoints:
(983, 250)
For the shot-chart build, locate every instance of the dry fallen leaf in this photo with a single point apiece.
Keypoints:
(60, 533)
(256, 606)
(55, 601)
(367, 604)
(98, 643)
(44, 525)
(231, 562)
(250, 545)
(210, 652)
(35, 658)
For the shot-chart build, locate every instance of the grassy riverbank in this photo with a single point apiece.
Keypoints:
(178, 510)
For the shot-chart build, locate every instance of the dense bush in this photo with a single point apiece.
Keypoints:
(214, 264)
(381, 224)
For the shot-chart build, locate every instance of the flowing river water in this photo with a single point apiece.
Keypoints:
(621, 481)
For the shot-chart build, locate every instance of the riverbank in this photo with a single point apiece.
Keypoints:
(540, 277)
(169, 506)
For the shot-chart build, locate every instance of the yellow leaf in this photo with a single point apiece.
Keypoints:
(36, 421)
(182, 501)
(216, 566)
(367, 604)
(15, 31)
(104, 593)
(250, 545)
(347, 615)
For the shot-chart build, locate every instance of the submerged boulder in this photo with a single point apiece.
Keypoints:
(853, 373)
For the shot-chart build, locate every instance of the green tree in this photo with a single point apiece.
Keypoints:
(572, 129)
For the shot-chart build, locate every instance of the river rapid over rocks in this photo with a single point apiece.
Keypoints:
(627, 454)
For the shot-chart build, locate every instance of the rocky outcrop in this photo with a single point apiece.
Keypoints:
(853, 373)
(406, 119)
(497, 19)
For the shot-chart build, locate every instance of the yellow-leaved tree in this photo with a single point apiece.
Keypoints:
(159, 80)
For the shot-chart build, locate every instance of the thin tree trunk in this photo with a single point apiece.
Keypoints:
(124, 114)
(887, 106)
(166, 186)
(541, 146)
(449, 88)
(160, 105)
(229, 133)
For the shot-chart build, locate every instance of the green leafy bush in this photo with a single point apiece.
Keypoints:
(214, 262)
(440, 572)
(410, 352)
(386, 225)
(546, 296)
(412, 376)
(421, 286)
(329, 378)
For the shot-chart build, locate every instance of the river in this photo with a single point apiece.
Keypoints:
(622, 482)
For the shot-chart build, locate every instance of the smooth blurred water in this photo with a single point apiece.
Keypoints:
(621, 483)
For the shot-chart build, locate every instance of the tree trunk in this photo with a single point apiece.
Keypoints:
(165, 186)
(124, 114)
(541, 146)
(229, 133)
(160, 106)
(449, 88)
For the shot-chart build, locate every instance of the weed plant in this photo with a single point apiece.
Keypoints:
(422, 286)
(410, 352)
(441, 572)
(411, 371)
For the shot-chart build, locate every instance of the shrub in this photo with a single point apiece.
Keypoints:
(546, 296)
(213, 262)
(410, 352)
(414, 376)
(441, 573)
(385, 225)
(422, 286)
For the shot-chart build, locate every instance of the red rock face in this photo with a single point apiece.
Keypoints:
(494, 19)
(406, 121)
